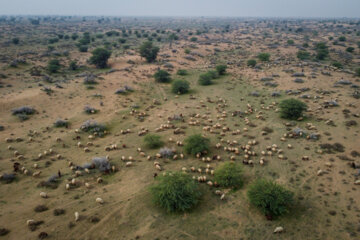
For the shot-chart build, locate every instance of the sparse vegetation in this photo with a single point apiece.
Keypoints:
(53, 66)
(153, 141)
(251, 62)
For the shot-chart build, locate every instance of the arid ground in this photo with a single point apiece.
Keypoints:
(321, 167)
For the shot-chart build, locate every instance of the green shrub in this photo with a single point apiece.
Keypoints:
(290, 42)
(61, 123)
(221, 69)
(251, 62)
(213, 74)
(321, 50)
(83, 48)
(148, 51)
(265, 57)
(162, 76)
(229, 174)
(303, 55)
(73, 65)
(175, 192)
(205, 79)
(187, 51)
(357, 72)
(193, 39)
(100, 57)
(272, 199)
(342, 38)
(350, 49)
(337, 65)
(292, 108)
(196, 143)
(153, 141)
(180, 86)
(182, 72)
(15, 41)
(53, 66)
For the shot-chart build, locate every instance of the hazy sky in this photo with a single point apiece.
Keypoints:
(231, 8)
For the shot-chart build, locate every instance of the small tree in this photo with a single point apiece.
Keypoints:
(221, 69)
(251, 62)
(153, 141)
(100, 57)
(290, 42)
(53, 66)
(292, 108)
(272, 199)
(180, 86)
(321, 51)
(265, 57)
(175, 192)
(148, 51)
(196, 143)
(162, 76)
(229, 174)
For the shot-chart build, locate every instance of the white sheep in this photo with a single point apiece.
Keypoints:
(87, 185)
(128, 164)
(43, 195)
(67, 186)
(36, 174)
(99, 180)
(278, 230)
(30, 222)
(77, 216)
(99, 200)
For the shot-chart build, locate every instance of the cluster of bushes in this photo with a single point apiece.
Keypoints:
(178, 192)
(93, 127)
(149, 51)
(90, 110)
(61, 123)
(322, 51)
(124, 90)
(83, 42)
(23, 112)
(53, 66)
